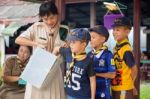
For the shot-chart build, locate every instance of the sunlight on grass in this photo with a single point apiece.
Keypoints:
(145, 91)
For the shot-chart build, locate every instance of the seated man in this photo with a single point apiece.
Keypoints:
(13, 68)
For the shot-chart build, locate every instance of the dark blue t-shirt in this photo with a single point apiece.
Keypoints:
(80, 81)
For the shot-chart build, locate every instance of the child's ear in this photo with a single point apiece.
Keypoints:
(127, 31)
(84, 44)
(103, 39)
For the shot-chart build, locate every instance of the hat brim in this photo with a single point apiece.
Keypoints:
(95, 30)
(115, 25)
(98, 32)
(72, 38)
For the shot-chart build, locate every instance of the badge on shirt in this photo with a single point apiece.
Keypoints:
(112, 62)
(101, 62)
(102, 95)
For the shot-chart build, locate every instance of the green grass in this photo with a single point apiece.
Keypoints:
(145, 91)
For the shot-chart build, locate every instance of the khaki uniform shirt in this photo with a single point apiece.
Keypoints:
(55, 89)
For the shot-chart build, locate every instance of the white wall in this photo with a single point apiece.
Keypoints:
(2, 46)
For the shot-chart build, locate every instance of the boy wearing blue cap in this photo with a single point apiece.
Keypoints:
(126, 69)
(80, 81)
(103, 61)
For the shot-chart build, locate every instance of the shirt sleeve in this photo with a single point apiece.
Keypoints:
(110, 62)
(62, 51)
(129, 59)
(65, 52)
(90, 69)
(8, 66)
(29, 33)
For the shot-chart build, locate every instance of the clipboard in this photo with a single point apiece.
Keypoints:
(38, 67)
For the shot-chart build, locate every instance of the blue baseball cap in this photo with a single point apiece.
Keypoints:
(101, 30)
(79, 34)
(122, 21)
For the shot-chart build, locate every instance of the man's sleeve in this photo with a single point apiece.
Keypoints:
(129, 59)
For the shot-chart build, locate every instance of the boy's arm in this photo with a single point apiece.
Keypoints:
(110, 75)
(56, 50)
(130, 61)
(93, 86)
(134, 72)
(92, 77)
(134, 75)
(110, 66)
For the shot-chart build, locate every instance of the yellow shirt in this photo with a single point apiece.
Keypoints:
(123, 79)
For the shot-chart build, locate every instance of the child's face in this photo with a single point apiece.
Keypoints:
(77, 47)
(96, 40)
(120, 33)
(51, 20)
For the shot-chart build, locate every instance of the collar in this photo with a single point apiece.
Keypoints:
(121, 44)
(95, 52)
(123, 41)
(79, 56)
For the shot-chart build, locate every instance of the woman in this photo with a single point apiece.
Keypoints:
(46, 34)
(13, 68)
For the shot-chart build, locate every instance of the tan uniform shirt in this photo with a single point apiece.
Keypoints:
(12, 90)
(55, 90)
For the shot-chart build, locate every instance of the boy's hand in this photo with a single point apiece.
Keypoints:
(56, 50)
(135, 91)
(65, 44)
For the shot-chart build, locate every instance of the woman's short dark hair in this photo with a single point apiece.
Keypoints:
(48, 8)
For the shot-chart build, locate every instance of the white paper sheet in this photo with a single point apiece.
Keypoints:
(38, 67)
